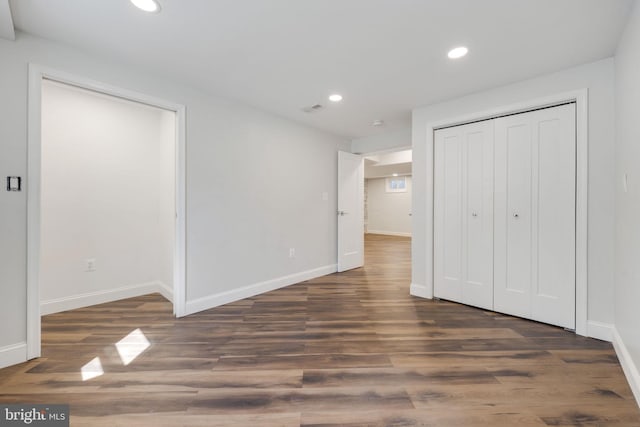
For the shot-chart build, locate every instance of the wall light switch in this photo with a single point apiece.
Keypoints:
(14, 183)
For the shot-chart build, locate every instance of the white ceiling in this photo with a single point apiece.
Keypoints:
(388, 164)
(384, 56)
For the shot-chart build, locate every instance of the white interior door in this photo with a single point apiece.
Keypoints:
(350, 211)
(463, 216)
(535, 155)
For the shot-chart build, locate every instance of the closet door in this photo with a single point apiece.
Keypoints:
(535, 172)
(463, 216)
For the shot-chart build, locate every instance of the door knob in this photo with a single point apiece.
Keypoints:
(474, 213)
(515, 215)
(342, 213)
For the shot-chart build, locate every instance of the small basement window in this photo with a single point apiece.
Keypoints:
(397, 184)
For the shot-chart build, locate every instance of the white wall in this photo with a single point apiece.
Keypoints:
(388, 213)
(254, 185)
(627, 204)
(108, 168)
(396, 138)
(598, 79)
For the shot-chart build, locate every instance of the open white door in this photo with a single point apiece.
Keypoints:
(350, 211)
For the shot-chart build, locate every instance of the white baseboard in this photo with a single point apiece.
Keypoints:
(389, 233)
(628, 366)
(165, 291)
(101, 297)
(420, 291)
(222, 298)
(599, 330)
(13, 354)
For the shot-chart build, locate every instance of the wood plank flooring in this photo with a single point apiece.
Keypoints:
(348, 349)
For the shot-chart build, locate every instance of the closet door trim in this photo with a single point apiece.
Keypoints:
(580, 97)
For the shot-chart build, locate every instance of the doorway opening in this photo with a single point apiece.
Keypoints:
(387, 202)
(387, 193)
(106, 197)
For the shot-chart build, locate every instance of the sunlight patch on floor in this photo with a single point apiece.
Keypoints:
(132, 346)
(92, 369)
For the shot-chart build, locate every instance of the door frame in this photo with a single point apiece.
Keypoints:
(581, 98)
(36, 74)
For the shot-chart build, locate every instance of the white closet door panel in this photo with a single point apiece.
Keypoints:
(477, 285)
(554, 290)
(447, 215)
(535, 215)
(463, 223)
(512, 280)
(452, 209)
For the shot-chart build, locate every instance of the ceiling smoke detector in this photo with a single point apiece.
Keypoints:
(313, 108)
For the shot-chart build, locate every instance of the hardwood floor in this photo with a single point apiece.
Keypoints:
(348, 349)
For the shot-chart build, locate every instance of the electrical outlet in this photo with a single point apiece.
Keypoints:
(90, 264)
(292, 252)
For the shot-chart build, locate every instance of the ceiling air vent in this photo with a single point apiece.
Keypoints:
(313, 108)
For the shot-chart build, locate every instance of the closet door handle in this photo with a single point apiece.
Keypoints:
(474, 213)
(516, 215)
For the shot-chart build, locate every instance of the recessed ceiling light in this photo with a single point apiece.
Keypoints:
(336, 97)
(394, 174)
(377, 123)
(457, 52)
(147, 5)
